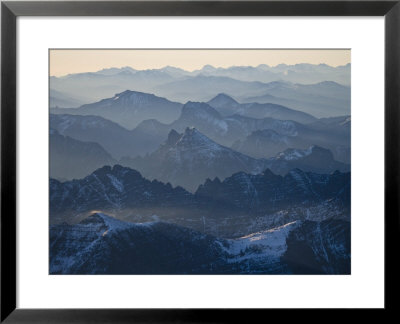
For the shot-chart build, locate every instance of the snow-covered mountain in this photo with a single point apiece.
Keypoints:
(100, 244)
(228, 106)
(73, 159)
(190, 158)
(129, 108)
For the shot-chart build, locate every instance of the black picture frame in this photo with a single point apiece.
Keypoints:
(11, 10)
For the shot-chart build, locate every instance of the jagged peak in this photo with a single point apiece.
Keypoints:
(208, 181)
(190, 131)
(173, 137)
(192, 139)
(193, 134)
(115, 170)
(269, 174)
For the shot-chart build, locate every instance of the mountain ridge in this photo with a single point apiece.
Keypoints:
(102, 245)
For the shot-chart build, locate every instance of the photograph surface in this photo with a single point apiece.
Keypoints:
(207, 161)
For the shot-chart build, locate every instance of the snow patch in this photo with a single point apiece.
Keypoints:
(116, 183)
(269, 244)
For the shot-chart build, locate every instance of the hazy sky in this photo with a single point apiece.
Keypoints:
(63, 62)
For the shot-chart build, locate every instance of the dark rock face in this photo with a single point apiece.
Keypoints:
(122, 248)
(319, 248)
(113, 188)
(103, 245)
(266, 192)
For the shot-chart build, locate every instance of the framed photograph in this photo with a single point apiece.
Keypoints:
(179, 161)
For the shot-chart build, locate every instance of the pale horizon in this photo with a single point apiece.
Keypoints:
(71, 61)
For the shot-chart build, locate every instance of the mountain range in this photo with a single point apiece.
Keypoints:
(332, 133)
(128, 109)
(188, 159)
(315, 159)
(268, 138)
(238, 170)
(227, 106)
(225, 208)
(100, 244)
(322, 97)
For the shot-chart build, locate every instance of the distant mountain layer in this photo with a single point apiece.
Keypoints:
(271, 136)
(201, 85)
(226, 130)
(268, 139)
(227, 106)
(323, 99)
(233, 130)
(73, 159)
(298, 73)
(103, 245)
(128, 109)
(241, 197)
(62, 100)
(115, 139)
